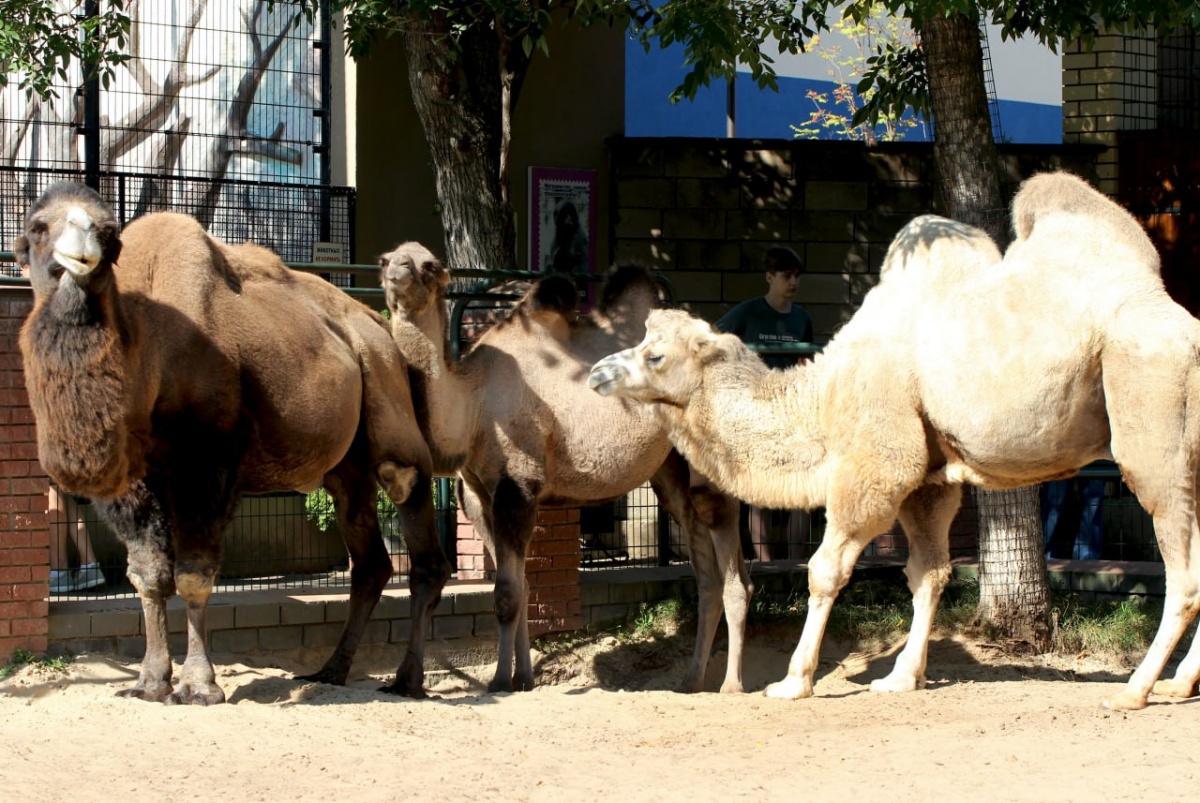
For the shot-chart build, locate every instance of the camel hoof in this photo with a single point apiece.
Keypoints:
(897, 683)
(157, 693)
(329, 676)
(732, 687)
(1125, 701)
(789, 688)
(500, 685)
(1175, 688)
(402, 689)
(205, 695)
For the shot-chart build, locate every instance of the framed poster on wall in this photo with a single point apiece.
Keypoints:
(562, 220)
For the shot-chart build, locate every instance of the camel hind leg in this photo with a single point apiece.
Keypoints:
(1156, 442)
(354, 497)
(511, 516)
(709, 521)
(401, 464)
(926, 516)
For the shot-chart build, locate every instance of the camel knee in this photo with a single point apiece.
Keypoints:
(397, 481)
(508, 601)
(935, 578)
(195, 583)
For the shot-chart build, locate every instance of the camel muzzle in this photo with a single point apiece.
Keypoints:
(605, 375)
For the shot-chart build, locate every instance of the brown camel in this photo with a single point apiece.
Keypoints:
(516, 421)
(960, 367)
(168, 383)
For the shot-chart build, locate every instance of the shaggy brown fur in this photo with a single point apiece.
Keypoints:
(960, 367)
(170, 373)
(515, 420)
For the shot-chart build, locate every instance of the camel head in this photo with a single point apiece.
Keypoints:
(667, 366)
(71, 235)
(413, 279)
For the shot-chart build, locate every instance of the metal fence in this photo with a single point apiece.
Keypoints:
(275, 542)
(222, 112)
(286, 218)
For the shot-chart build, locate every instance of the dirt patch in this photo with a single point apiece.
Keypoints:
(603, 724)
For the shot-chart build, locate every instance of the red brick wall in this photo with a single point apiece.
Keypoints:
(24, 537)
(552, 568)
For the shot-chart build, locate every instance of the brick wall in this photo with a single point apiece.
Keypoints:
(705, 211)
(24, 538)
(552, 568)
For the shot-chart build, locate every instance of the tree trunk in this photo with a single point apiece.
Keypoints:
(1013, 592)
(459, 97)
(1013, 595)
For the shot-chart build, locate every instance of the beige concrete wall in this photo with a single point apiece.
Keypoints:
(571, 102)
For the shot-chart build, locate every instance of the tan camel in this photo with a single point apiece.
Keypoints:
(516, 421)
(169, 383)
(960, 367)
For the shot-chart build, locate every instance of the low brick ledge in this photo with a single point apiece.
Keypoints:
(287, 621)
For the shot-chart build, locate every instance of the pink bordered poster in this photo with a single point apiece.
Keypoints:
(562, 219)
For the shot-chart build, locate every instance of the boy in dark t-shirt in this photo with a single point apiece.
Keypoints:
(773, 319)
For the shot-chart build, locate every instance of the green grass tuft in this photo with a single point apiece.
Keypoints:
(20, 658)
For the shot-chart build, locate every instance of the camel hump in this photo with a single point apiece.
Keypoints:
(1070, 206)
(554, 293)
(938, 243)
(627, 285)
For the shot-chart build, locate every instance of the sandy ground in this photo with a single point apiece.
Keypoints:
(601, 726)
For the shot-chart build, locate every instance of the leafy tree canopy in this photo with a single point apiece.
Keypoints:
(39, 40)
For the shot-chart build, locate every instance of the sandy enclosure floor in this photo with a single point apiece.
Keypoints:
(602, 726)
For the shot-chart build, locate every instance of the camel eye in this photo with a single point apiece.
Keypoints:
(654, 360)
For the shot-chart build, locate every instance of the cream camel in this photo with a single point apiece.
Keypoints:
(515, 419)
(960, 367)
(168, 383)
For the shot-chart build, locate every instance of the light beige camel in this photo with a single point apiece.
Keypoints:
(167, 383)
(960, 367)
(515, 419)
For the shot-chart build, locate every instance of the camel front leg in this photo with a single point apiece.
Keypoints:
(138, 521)
(926, 516)
(828, 572)
(197, 681)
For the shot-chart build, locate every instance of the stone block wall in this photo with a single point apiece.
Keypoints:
(705, 212)
(1109, 88)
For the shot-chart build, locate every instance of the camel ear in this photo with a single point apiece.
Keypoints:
(21, 250)
(701, 344)
(434, 268)
(112, 246)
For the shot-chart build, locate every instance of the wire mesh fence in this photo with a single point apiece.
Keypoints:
(283, 540)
